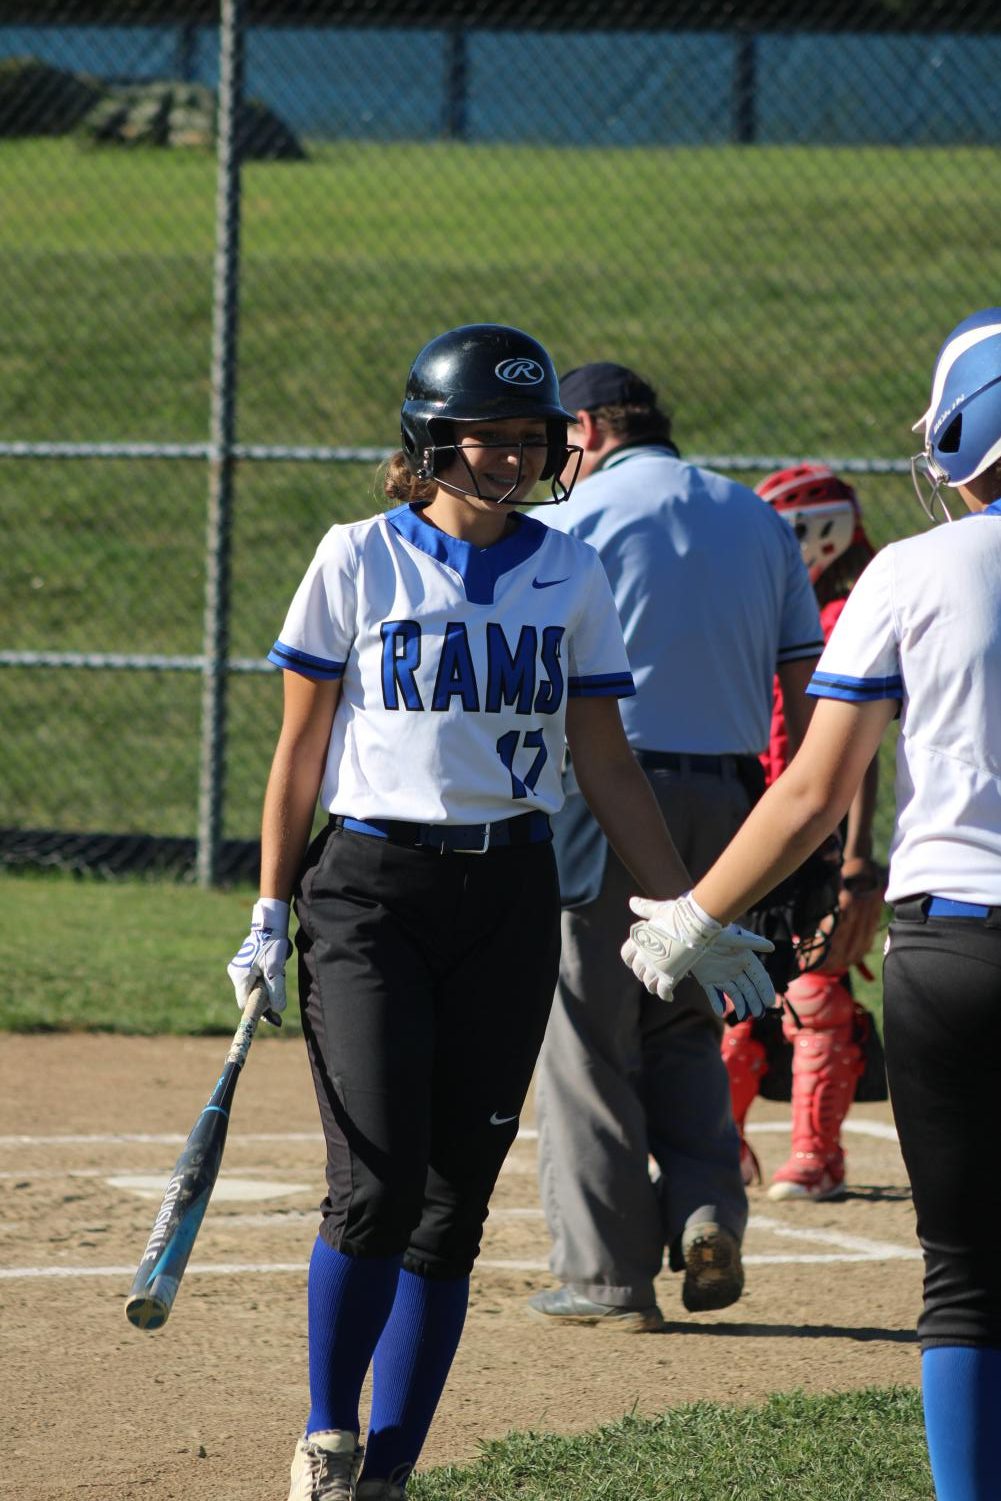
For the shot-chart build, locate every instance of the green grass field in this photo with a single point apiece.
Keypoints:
(854, 1446)
(783, 296)
(144, 957)
(785, 300)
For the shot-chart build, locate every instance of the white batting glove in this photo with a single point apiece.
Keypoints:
(263, 956)
(731, 968)
(678, 938)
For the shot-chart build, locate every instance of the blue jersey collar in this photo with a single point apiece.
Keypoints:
(994, 509)
(478, 567)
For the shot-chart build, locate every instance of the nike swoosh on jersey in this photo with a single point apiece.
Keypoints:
(546, 583)
(502, 1120)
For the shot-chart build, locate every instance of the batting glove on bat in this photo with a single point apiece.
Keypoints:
(263, 956)
(677, 938)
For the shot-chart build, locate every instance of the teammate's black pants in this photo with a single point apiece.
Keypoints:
(425, 981)
(942, 1023)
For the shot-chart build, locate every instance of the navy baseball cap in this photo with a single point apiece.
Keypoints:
(604, 384)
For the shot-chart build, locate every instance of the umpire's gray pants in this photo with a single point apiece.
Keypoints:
(624, 1076)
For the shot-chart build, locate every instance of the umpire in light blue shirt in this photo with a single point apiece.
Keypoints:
(714, 601)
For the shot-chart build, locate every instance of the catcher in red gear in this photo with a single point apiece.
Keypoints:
(825, 1027)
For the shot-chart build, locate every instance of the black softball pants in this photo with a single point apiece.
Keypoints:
(942, 1026)
(425, 982)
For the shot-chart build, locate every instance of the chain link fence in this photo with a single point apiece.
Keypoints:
(223, 236)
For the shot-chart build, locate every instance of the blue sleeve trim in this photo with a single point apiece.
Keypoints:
(320, 668)
(855, 690)
(602, 685)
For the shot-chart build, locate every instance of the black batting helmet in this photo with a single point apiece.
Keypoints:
(476, 373)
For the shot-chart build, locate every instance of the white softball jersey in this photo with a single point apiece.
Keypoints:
(455, 664)
(923, 625)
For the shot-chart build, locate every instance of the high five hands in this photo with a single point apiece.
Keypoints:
(677, 938)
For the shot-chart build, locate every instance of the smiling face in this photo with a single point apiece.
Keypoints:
(497, 462)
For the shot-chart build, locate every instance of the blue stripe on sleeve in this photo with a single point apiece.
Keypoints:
(855, 690)
(602, 685)
(290, 657)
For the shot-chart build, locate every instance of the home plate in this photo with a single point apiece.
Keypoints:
(235, 1190)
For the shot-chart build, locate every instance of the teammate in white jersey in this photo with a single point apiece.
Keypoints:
(437, 659)
(920, 636)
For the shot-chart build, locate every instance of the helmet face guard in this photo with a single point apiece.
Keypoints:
(824, 533)
(439, 455)
(962, 426)
(483, 372)
(928, 479)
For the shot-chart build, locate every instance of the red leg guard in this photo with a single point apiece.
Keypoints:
(745, 1061)
(826, 1065)
(744, 1058)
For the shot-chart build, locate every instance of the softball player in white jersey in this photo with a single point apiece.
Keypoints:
(921, 634)
(437, 658)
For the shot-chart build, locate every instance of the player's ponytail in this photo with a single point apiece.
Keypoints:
(839, 579)
(401, 484)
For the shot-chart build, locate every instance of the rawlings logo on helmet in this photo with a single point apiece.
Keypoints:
(520, 372)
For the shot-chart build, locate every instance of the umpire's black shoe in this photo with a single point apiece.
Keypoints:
(714, 1273)
(562, 1304)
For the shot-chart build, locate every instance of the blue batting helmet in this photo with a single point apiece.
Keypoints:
(962, 425)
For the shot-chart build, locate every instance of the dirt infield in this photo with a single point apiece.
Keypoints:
(208, 1408)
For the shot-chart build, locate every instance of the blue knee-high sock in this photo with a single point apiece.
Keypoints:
(961, 1390)
(349, 1299)
(412, 1361)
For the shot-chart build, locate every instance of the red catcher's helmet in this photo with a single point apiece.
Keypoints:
(822, 510)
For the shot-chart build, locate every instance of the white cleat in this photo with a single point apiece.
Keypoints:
(813, 1183)
(326, 1466)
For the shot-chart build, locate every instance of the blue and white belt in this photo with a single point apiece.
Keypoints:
(452, 838)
